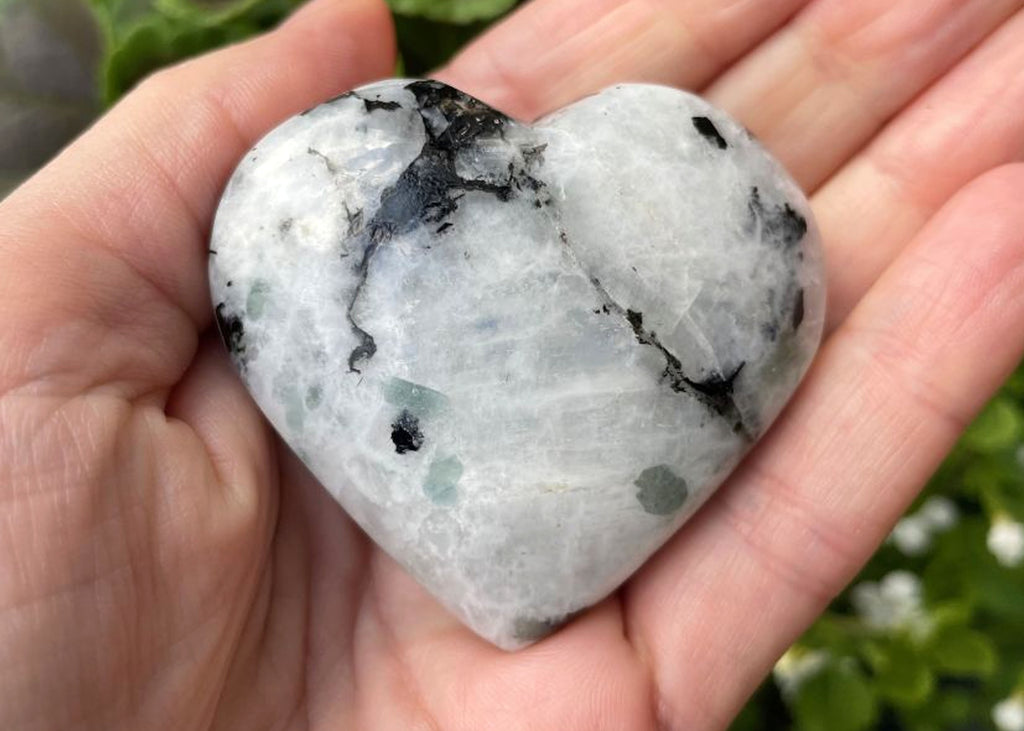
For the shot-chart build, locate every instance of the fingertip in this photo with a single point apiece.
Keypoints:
(357, 29)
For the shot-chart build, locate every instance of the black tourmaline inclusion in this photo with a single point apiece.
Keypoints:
(428, 191)
(406, 434)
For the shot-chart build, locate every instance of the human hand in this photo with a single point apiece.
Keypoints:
(168, 564)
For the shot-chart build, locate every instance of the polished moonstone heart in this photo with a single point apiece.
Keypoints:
(520, 356)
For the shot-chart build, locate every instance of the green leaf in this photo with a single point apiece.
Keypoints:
(998, 427)
(963, 651)
(901, 673)
(119, 17)
(453, 11)
(144, 49)
(211, 13)
(837, 699)
(952, 613)
(49, 52)
(178, 29)
(426, 44)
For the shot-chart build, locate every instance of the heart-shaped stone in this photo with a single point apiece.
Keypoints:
(520, 356)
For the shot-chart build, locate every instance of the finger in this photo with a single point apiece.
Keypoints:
(123, 215)
(822, 86)
(552, 52)
(407, 640)
(969, 122)
(297, 644)
(886, 399)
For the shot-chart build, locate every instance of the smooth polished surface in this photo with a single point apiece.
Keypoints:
(519, 356)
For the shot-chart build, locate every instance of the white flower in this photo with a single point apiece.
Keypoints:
(867, 601)
(1008, 714)
(893, 603)
(902, 586)
(1006, 541)
(912, 536)
(796, 666)
(939, 512)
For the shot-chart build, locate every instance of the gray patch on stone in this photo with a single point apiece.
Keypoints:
(531, 629)
(662, 491)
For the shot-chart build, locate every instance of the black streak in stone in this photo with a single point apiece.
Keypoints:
(346, 95)
(375, 104)
(534, 155)
(798, 309)
(429, 190)
(406, 434)
(326, 160)
(709, 132)
(780, 225)
(355, 220)
(231, 330)
(715, 392)
(339, 97)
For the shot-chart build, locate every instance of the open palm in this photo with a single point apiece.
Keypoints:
(166, 563)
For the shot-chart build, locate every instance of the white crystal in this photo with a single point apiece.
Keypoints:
(519, 356)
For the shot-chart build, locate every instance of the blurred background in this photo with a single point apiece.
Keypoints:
(929, 637)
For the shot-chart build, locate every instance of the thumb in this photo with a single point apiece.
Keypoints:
(103, 253)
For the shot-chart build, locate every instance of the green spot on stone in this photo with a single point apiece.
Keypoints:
(662, 491)
(442, 480)
(257, 299)
(314, 395)
(418, 400)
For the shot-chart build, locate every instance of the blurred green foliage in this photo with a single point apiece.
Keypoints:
(143, 35)
(930, 637)
(49, 50)
(62, 61)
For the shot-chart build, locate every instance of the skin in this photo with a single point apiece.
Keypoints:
(168, 565)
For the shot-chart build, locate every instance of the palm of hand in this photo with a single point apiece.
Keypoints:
(170, 565)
